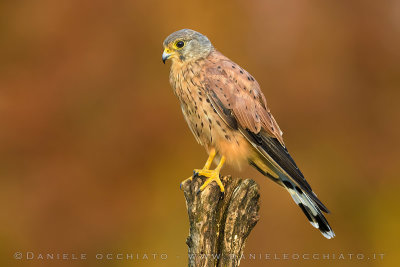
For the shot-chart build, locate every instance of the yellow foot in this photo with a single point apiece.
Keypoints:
(212, 175)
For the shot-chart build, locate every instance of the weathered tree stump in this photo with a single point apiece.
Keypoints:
(220, 224)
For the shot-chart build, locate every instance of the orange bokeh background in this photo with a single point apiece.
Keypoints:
(93, 144)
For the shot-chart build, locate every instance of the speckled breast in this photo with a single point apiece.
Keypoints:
(203, 120)
(196, 107)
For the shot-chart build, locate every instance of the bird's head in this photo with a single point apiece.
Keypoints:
(185, 46)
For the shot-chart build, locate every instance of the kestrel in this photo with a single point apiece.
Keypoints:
(228, 115)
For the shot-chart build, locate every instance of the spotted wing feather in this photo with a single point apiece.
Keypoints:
(238, 100)
(237, 91)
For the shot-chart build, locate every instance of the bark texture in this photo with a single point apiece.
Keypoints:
(220, 224)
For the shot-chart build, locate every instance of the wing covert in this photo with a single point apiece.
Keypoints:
(238, 100)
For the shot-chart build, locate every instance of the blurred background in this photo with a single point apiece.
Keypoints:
(93, 144)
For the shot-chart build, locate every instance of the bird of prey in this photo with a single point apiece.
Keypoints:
(228, 115)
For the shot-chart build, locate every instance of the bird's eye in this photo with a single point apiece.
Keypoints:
(180, 44)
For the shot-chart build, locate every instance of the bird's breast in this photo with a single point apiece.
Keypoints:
(202, 118)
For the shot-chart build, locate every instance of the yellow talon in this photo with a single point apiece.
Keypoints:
(212, 175)
(206, 166)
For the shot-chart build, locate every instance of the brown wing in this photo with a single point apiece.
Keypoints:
(239, 94)
(238, 100)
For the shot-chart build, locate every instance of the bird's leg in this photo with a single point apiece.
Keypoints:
(212, 175)
(210, 159)
(206, 167)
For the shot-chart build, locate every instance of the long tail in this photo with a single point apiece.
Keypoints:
(308, 202)
(309, 207)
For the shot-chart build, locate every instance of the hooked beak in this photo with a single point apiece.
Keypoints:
(165, 55)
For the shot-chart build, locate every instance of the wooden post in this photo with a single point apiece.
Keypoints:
(220, 224)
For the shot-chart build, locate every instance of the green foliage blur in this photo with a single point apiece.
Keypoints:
(93, 145)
